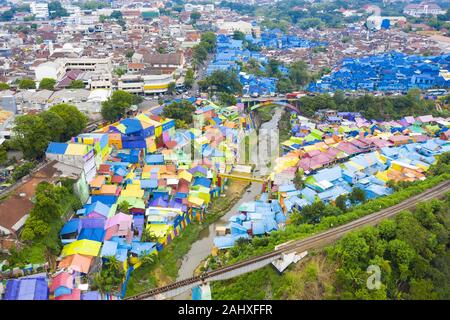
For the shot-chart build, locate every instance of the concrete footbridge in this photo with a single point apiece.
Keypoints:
(312, 242)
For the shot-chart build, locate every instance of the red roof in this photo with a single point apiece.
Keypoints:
(63, 279)
(117, 179)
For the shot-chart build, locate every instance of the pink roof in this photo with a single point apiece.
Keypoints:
(410, 119)
(64, 279)
(348, 148)
(121, 219)
(111, 232)
(424, 119)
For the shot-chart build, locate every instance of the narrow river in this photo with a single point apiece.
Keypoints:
(201, 249)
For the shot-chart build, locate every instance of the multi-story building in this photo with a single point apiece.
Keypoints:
(39, 10)
(423, 8)
(147, 84)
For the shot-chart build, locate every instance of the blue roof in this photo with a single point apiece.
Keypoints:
(57, 148)
(109, 248)
(94, 234)
(71, 226)
(149, 184)
(205, 182)
(154, 159)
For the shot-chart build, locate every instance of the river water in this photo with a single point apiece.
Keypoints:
(201, 249)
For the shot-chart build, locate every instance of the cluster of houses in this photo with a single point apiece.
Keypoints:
(391, 71)
(346, 150)
(343, 152)
(140, 187)
(231, 54)
(277, 39)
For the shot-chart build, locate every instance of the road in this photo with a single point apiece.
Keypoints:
(313, 242)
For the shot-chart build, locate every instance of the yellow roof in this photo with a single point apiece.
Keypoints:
(74, 149)
(382, 175)
(310, 148)
(133, 190)
(195, 200)
(159, 230)
(85, 246)
(186, 175)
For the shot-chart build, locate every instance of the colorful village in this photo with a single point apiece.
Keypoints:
(138, 177)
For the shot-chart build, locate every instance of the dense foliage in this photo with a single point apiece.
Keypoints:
(47, 84)
(110, 277)
(27, 83)
(32, 133)
(117, 105)
(371, 107)
(207, 45)
(56, 10)
(182, 111)
(221, 81)
(410, 250)
(41, 231)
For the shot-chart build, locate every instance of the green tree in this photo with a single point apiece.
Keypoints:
(298, 73)
(22, 170)
(199, 54)
(222, 81)
(77, 84)
(238, 35)
(298, 180)
(209, 40)
(47, 84)
(4, 86)
(129, 53)
(56, 10)
(124, 207)
(179, 111)
(195, 16)
(120, 71)
(75, 121)
(117, 15)
(422, 289)
(110, 277)
(55, 125)
(7, 15)
(357, 196)
(227, 99)
(189, 78)
(171, 88)
(117, 105)
(272, 68)
(27, 84)
(341, 202)
(3, 156)
(31, 136)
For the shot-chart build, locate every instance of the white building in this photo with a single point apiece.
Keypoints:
(50, 69)
(423, 8)
(231, 26)
(39, 10)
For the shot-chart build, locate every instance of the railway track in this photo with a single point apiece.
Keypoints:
(312, 242)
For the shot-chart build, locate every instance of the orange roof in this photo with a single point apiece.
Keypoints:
(97, 182)
(76, 262)
(108, 189)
